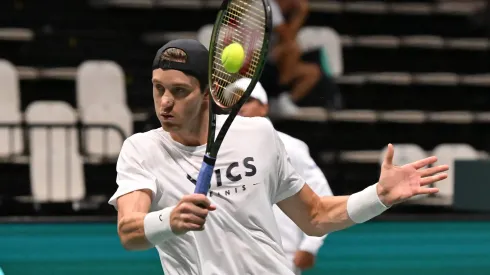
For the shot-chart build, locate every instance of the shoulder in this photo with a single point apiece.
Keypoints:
(293, 144)
(254, 124)
(142, 142)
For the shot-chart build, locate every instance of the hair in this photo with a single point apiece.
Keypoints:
(178, 55)
(174, 55)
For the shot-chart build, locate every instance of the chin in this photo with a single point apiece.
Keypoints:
(170, 127)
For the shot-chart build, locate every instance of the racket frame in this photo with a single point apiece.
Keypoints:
(213, 144)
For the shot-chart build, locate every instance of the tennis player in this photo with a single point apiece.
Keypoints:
(300, 249)
(232, 231)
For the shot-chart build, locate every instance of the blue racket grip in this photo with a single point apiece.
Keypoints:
(203, 182)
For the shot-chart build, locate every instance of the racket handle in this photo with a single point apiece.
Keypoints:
(204, 178)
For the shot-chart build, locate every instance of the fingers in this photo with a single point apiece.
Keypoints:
(426, 191)
(389, 155)
(190, 208)
(191, 213)
(423, 162)
(432, 179)
(433, 170)
(197, 199)
(191, 219)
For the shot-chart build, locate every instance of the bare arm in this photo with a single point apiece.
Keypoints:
(132, 209)
(298, 19)
(318, 216)
(325, 214)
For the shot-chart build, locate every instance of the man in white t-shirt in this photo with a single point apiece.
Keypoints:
(232, 231)
(300, 249)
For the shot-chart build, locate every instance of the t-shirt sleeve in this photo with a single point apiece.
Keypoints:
(289, 180)
(131, 173)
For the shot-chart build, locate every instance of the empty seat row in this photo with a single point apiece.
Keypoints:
(407, 153)
(320, 6)
(103, 128)
(416, 41)
(404, 91)
(385, 53)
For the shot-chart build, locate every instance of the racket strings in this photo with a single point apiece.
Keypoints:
(244, 22)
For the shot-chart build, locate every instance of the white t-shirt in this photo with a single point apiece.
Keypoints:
(293, 238)
(253, 171)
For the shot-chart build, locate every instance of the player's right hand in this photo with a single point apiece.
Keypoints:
(190, 214)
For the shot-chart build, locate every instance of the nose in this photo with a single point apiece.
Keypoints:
(167, 101)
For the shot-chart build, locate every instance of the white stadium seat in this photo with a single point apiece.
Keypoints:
(56, 168)
(101, 142)
(447, 154)
(404, 153)
(310, 38)
(9, 90)
(204, 35)
(100, 81)
(11, 140)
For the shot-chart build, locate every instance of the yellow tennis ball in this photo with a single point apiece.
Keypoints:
(233, 57)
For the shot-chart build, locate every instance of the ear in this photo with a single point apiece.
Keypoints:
(206, 93)
(264, 109)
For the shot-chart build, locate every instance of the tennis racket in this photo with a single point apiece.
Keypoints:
(249, 23)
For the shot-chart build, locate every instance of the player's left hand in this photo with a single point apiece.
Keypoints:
(399, 183)
(304, 260)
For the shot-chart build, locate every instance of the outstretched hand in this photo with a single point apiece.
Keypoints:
(400, 183)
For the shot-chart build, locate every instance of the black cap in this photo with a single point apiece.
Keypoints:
(195, 62)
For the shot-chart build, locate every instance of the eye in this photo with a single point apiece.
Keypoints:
(180, 92)
(160, 88)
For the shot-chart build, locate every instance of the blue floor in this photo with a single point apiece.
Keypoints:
(377, 248)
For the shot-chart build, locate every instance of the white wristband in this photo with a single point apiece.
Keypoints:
(365, 205)
(157, 226)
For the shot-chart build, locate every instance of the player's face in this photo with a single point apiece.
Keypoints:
(178, 99)
(253, 108)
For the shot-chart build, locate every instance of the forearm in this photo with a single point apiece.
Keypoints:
(132, 232)
(339, 212)
(297, 22)
(331, 215)
(141, 231)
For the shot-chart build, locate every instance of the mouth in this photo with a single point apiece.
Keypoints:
(167, 117)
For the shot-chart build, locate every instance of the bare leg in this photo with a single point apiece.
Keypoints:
(287, 57)
(307, 75)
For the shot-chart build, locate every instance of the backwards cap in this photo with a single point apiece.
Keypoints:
(195, 61)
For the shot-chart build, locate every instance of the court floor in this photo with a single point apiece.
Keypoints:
(377, 248)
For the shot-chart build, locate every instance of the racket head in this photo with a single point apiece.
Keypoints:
(249, 23)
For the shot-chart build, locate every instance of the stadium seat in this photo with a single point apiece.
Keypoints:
(404, 153)
(447, 154)
(311, 38)
(365, 51)
(204, 35)
(106, 143)
(56, 168)
(100, 81)
(11, 140)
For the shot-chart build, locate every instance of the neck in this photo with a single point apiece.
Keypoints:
(196, 133)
